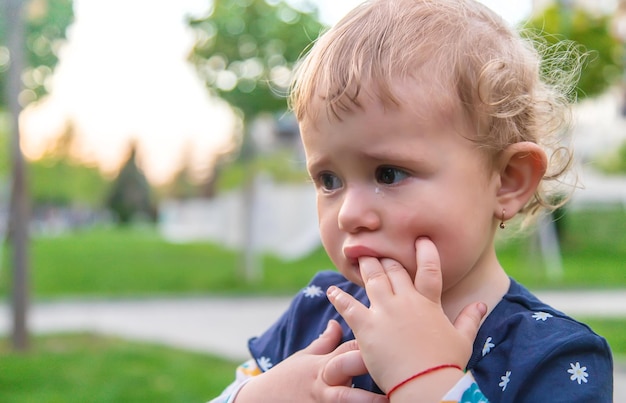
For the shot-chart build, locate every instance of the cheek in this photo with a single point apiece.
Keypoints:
(329, 231)
(434, 224)
(411, 223)
(407, 228)
(323, 218)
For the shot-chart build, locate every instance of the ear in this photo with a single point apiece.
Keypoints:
(522, 166)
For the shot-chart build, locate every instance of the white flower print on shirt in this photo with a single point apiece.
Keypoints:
(487, 346)
(505, 380)
(541, 316)
(579, 373)
(265, 363)
(313, 291)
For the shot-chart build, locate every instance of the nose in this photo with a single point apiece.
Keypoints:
(358, 211)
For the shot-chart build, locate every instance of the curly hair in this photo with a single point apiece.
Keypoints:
(468, 53)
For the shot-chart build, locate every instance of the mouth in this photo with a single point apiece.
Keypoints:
(356, 251)
(353, 253)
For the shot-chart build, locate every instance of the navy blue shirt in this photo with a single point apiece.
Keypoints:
(525, 351)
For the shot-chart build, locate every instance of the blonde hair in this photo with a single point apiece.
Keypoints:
(497, 77)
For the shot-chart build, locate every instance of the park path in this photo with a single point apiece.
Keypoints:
(222, 325)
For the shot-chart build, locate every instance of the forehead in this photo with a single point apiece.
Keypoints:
(427, 99)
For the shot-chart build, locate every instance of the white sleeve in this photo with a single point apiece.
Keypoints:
(243, 374)
(464, 385)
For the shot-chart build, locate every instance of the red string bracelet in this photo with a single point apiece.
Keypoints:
(424, 372)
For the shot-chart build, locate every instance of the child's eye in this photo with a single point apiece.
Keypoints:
(390, 175)
(328, 181)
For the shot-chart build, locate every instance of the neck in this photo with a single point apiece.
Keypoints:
(487, 283)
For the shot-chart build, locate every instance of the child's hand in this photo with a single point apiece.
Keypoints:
(405, 330)
(322, 372)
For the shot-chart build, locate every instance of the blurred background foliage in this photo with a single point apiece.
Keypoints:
(592, 34)
(279, 164)
(46, 25)
(614, 161)
(59, 179)
(245, 51)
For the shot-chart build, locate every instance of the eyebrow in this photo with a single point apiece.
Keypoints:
(397, 156)
(312, 164)
(389, 156)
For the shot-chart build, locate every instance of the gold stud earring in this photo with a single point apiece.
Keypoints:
(502, 224)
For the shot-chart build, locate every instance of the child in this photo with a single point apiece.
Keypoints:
(426, 127)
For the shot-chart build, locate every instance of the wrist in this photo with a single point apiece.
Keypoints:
(430, 384)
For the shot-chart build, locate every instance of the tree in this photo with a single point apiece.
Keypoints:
(130, 197)
(39, 30)
(28, 44)
(563, 21)
(59, 179)
(45, 27)
(245, 51)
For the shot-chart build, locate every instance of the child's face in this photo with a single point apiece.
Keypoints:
(385, 177)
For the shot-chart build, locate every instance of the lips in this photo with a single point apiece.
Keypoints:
(353, 253)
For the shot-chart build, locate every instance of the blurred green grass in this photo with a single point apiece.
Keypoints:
(89, 368)
(112, 262)
(135, 262)
(593, 250)
(613, 330)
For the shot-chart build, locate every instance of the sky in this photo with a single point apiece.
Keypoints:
(123, 75)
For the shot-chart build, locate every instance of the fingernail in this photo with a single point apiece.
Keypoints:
(327, 328)
(331, 292)
(482, 308)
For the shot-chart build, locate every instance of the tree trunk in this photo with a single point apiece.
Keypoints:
(18, 212)
(250, 268)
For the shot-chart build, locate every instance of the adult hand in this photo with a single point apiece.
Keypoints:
(322, 372)
(405, 330)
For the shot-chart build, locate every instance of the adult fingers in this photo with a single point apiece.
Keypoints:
(346, 346)
(340, 369)
(468, 321)
(428, 276)
(328, 341)
(347, 306)
(398, 276)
